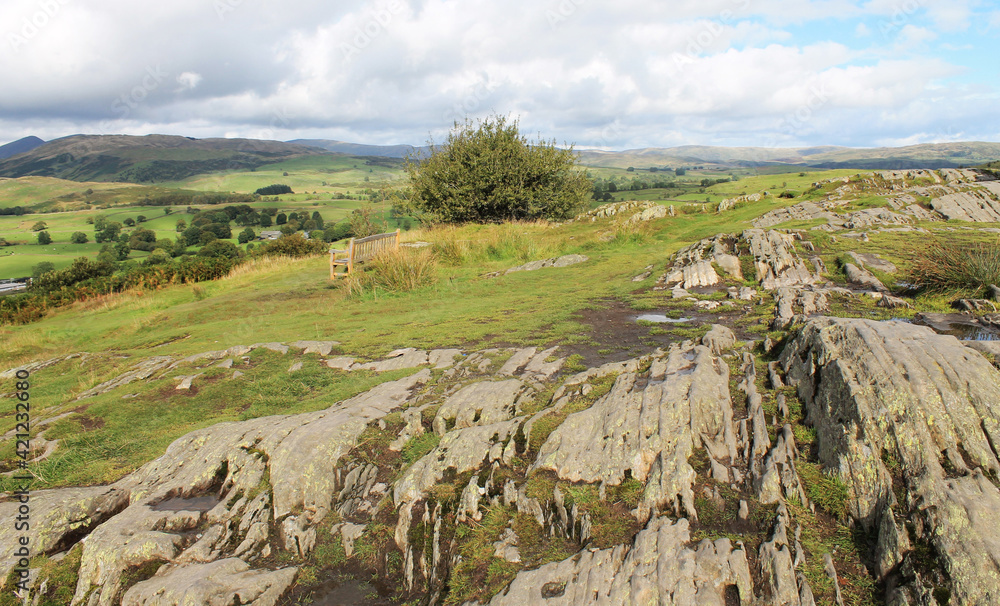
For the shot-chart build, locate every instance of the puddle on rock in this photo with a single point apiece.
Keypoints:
(205, 503)
(346, 593)
(957, 325)
(660, 318)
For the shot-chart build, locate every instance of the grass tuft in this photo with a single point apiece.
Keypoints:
(394, 271)
(953, 266)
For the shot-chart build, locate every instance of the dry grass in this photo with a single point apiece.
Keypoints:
(967, 267)
(258, 265)
(394, 271)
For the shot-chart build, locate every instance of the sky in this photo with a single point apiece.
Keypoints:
(618, 74)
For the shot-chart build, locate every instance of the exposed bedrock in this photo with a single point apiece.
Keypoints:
(647, 427)
(776, 260)
(901, 410)
(298, 453)
(978, 205)
(658, 568)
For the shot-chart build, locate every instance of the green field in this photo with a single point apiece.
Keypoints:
(344, 177)
(308, 176)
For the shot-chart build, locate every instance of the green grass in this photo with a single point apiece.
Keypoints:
(307, 174)
(111, 435)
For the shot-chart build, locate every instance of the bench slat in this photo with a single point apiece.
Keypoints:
(362, 249)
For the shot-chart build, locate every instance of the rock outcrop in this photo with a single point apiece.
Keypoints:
(646, 428)
(910, 421)
(658, 568)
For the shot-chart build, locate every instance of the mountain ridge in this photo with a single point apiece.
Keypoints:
(20, 146)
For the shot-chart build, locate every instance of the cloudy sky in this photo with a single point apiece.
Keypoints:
(615, 74)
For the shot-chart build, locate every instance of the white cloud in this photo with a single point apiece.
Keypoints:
(603, 73)
(188, 80)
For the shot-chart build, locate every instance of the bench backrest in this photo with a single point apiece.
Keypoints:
(363, 249)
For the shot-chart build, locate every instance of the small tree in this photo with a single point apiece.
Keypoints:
(78, 237)
(181, 225)
(246, 235)
(140, 219)
(489, 173)
(39, 226)
(42, 268)
(365, 222)
(122, 250)
(220, 248)
(44, 238)
(129, 221)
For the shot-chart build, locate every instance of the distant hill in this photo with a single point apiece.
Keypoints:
(158, 158)
(930, 155)
(20, 146)
(147, 159)
(361, 149)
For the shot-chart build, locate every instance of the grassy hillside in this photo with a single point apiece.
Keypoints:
(313, 175)
(152, 158)
(283, 300)
(589, 310)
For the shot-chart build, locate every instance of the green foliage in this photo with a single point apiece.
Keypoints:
(81, 269)
(44, 238)
(220, 248)
(246, 235)
(293, 245)
(107, 232)
(39, 226)
(489, 173)
(78, 237)
(365, 221)
(274, 190)
(42, 268)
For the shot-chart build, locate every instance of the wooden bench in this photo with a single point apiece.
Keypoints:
(360, 250)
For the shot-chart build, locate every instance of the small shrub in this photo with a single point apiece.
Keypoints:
(44, 238)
